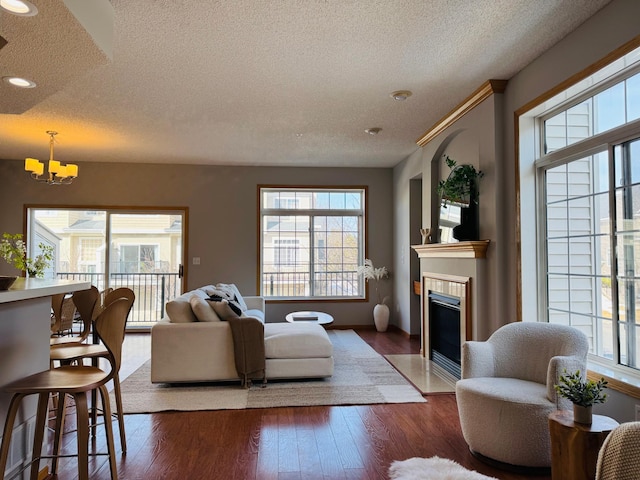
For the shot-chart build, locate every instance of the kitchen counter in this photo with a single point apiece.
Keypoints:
(25, 329)
(29, 288)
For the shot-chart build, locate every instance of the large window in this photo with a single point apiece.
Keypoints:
(588, 186)
(312, 241)
(137, 248)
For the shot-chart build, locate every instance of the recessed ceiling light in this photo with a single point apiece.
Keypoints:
(19, 7)
(19, 82)
(373, 131)
(401, 95)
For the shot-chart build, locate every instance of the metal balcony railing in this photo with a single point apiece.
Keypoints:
(338, 284)
(152, 290)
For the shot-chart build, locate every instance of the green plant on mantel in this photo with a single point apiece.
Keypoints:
(461, 186)
(585, 393)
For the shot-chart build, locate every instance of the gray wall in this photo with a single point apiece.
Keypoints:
(609, 29)
(470, 140)
(223, 215)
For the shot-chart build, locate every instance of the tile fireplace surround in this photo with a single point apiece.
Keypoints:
(464, 287)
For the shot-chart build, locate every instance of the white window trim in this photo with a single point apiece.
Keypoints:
(531, 173)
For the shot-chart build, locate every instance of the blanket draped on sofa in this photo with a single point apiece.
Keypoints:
(249, 354)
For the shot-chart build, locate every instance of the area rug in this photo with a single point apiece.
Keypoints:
(433, 468)
(361, 376)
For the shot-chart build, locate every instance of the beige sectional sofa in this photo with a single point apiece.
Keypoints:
(193, 345)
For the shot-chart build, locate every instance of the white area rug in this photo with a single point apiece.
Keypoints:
(433, 468)
(361, 376)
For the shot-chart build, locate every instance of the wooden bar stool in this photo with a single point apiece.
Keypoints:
(84, 301)
(64, 311)
(111, 334)
(77, 381)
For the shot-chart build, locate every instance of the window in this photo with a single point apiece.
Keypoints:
(588, 186)
(90, 254)
(312, 241)
(138, 248)
(137, 259)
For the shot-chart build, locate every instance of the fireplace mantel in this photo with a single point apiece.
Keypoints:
(475, 249)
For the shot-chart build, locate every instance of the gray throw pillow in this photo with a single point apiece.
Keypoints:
(223, 309)
(202, 310)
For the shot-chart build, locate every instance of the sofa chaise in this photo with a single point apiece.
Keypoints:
(193, 344)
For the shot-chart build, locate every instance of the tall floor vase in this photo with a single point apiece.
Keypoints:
(381, 317)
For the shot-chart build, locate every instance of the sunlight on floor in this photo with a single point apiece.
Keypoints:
(425, 375)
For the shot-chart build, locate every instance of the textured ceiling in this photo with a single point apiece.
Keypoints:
(253, 82)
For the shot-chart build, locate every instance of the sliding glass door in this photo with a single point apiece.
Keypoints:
(139, 249)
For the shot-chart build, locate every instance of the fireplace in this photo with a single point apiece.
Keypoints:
(446, 316)
(444, 332)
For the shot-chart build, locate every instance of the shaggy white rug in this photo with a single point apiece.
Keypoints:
(433, 468)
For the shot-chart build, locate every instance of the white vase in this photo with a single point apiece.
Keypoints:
(381, 317)
(582, 414)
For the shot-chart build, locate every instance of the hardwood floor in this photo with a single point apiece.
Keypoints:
(346, 442)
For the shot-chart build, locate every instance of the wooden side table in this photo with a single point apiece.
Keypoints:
(575, 446)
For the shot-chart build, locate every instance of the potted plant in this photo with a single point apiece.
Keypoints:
(584, 394)
(461, 186)
(14, 250)
(380, 311)
(460, 190)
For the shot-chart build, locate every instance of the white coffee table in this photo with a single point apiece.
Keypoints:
(320, 318)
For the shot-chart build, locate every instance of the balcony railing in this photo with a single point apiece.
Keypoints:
(152, 290)
(339, 284)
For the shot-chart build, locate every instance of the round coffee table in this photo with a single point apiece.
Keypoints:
(320, 318)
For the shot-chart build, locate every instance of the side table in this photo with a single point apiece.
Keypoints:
(320, 318)
(575, 446)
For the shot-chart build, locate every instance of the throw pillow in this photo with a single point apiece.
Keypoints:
(202, 310)
(233, 292)
(232, 304)
(223, 309)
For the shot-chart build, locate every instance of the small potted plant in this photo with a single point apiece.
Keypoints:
(584, 394)
(461, 186)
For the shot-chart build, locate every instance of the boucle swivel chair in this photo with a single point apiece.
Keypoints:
(507, 389)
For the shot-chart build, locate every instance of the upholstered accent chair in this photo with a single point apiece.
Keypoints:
(507, 389)
(619, 457)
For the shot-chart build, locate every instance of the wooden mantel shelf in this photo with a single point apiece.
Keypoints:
(475, 249)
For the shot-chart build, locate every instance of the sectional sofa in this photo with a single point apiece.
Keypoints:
(194, 344)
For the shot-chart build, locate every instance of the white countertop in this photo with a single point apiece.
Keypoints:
(28, 288)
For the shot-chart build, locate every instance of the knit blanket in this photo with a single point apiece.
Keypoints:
(248, 345)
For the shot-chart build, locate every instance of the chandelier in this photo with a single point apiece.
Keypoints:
(58, 174)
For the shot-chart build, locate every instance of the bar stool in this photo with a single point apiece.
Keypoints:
(78, 352)
(64, 311)
(84, 301)
(77, 381)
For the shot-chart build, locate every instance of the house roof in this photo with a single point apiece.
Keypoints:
(252, 82)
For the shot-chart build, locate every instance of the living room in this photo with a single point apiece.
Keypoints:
(222, 198)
